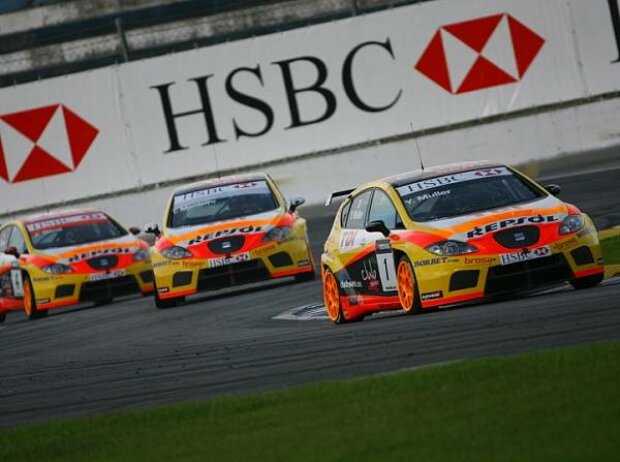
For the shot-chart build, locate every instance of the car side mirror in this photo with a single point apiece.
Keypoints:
(152, 228)
(378, 226)
(554, 189)
(296, 202)
(134, 230)
(12, 251)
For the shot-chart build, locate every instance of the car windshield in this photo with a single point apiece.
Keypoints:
(464, 193)
(72, 230)
(221, 203)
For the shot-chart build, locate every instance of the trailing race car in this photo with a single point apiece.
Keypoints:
(72, 257)
(11, 291)
(225, 232)
(451, 235)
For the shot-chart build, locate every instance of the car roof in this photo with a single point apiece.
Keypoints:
(439, 170)
(57, 214)
(223, 181)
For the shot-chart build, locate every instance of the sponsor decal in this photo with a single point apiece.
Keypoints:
(209, 196)
(193, 264)
(479, 231)
(348, 239)
(61, 222)
(429, 262)
(99, 253)
(562, 246)
(432, 183)
(431, 295)
(355, 300)
(500, 49)
(224, 232)
(163, 290)
(350, 285)
(427, 196)
(110, 275)
(303, 263)
(524, 255)
(479, 260)
(160, 264)
(29, 147)
(369, 272)
(223, 261)
(42, 301)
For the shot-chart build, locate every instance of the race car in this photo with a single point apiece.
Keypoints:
(72, 257)
(449, 235)
(10, 285)
(224, 232)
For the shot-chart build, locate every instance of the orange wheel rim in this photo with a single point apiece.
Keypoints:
(405, 285)
(331, 296)
(27, 297)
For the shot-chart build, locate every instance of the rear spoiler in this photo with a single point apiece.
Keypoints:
(344, 192)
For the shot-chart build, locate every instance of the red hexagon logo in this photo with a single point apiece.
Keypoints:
(43, 142)
(480, 53)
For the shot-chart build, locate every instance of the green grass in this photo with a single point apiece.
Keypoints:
(611, 250)
(561, 405)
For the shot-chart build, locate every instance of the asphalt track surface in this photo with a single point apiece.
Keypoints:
(89, 360)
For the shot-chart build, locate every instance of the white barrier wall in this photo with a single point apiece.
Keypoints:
(320, 88)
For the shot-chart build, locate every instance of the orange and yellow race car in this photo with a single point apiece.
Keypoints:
(451, 235)
(229, 231)
(72, 257)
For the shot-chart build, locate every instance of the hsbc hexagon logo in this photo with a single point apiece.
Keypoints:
(480, 53)
(43, 142)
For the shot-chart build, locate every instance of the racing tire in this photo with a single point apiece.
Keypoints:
(30, 301)
(407, 287)
(305, 277)
(587, 282)
(2, 317)
(331, 298)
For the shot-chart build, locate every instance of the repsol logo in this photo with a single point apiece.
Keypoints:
(302, 100)
(98, 253)
(511, 222)
(224, 232)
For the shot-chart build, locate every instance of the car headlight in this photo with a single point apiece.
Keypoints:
(57, 268)
(141, 255)
(571, 224)
(277, 233)
(451, 248)
(176, 253)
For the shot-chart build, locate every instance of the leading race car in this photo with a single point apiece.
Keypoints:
(225, 232)
(71, 257)
(451, 235)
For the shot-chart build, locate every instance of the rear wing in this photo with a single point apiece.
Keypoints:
(344, 192)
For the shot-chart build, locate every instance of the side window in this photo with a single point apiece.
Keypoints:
(383, 209)
(17, 240)
(356, 218)
(4, 238)
(345, 213)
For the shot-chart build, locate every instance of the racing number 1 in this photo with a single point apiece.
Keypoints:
(385, 262)
(16, 282)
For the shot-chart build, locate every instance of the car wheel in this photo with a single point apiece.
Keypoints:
(331, 297)
(587, 282)
(30, 301)
(407, 287)
(2, 317)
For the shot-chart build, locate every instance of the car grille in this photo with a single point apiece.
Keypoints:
(108, 288)
(527, 275)
(226, 245)
(103, 262)
(518, 238)
(233, 274)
